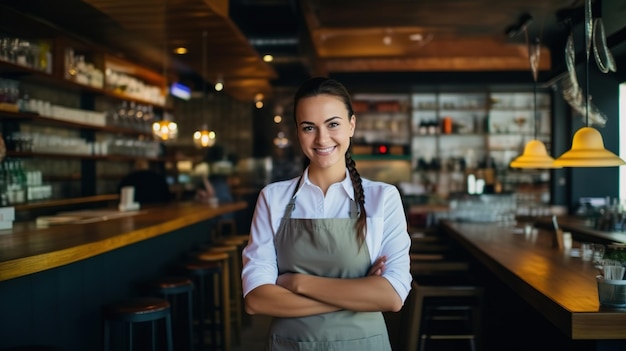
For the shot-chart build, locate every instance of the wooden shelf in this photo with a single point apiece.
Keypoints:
(52, 121)
(12, 71)
(67, 202)
(28, 154)
(381, 157)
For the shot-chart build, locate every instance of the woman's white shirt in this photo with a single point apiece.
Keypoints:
(386, 226)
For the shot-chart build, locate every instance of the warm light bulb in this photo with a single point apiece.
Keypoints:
(219, 86)
(204, 138)
(165, 130)
(259, 104)
(268, 58)
(278, 119)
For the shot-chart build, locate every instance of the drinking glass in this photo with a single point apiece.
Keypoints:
(586, 251)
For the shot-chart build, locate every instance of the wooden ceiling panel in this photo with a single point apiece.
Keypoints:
(462, 16)
(426, 35)
(182, 23)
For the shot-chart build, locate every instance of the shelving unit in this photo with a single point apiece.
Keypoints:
(382, 119)
(476, 131)
(382, 139)
(75, 101)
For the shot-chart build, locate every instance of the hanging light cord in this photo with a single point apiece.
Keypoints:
(586, 32)
(535, 112)
(533, 59)
(204, 54)
(165, 41)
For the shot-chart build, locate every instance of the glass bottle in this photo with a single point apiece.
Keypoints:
(4, 199)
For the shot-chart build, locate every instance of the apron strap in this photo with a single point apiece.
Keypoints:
(354, 208)
(292, 203)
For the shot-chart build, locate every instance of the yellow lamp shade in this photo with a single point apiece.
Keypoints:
(534, 156)
(588, 151)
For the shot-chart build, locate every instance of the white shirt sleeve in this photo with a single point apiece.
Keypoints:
(394, 242)
(259, 257)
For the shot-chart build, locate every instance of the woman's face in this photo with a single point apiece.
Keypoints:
(324, 130)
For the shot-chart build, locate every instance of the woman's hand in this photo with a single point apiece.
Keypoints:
(378, 267)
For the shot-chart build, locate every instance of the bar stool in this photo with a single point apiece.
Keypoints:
(240, 241)
(138, 310)
(178, 291)
(226, 223)
(430, 304)
(235, 289)
(221, 318)
(210, 272)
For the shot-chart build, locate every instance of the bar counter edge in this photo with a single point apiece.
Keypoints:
(57, 299)
(28, 249)
(524, 264)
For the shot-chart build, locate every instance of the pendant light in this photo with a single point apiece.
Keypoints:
(535, 154)
(165, 129)
(204, 138)
(587, 144)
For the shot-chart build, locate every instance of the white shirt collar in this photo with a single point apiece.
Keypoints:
(346, 183)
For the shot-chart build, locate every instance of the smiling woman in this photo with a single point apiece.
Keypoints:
(325, 140)
(327, 266)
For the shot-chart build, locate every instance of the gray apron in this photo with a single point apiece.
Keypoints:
(325, 247)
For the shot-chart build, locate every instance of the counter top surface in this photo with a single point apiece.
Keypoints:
(28, 249)
(561, 287)
(582, 231)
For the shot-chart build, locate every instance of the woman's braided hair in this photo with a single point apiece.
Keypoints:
(326, 86)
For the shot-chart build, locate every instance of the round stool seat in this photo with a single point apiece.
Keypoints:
(138, 309)
(199, 267)
(220, 248)
(212, 256)
(238, 237)
(170, 285)
(232, 242)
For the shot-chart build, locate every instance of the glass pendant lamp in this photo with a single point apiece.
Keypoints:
(204, 137)
(165, 129)
(535, 154)
(587, 144)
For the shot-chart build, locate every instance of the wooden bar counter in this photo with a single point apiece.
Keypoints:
(54, 281)
(27, 249)
(559, 287)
